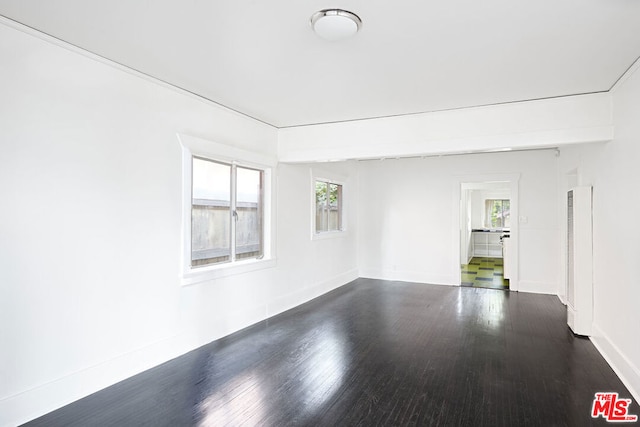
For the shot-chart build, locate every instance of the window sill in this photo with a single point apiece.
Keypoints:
(205, 274)
(328, 235)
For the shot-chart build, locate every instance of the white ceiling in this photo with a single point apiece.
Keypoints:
(262, 59)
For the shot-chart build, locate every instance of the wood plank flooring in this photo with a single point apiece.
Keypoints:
(374, 353)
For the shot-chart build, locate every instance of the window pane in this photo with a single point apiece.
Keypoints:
(249, 209)
(210, 213)
(321, 207)
(498, 213)
(335, 207)
(506, 213)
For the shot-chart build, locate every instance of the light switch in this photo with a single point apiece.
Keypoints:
(524, 219)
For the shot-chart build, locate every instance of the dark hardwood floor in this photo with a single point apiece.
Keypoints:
(374, 353)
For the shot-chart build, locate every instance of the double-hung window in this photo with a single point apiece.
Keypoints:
(226, 212)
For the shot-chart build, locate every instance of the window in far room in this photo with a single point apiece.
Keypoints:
(498, 213)
(328, 206)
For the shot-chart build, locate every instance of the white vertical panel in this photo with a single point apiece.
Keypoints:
(579, 261)
(570, 253)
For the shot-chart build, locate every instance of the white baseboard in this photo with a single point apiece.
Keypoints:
(408, 276)
(30, 404)
(628, 373)
(534, 287)
(563, 299)
(308, 293)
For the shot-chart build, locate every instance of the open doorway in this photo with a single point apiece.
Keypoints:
(485, 234)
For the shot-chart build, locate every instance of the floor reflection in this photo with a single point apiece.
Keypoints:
(325, 369)
(487, 308)
(256, 388)
(493, 308)
(242, 395)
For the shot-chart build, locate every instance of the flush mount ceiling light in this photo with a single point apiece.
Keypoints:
(335, 24)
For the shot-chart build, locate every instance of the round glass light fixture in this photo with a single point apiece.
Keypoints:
(335, 24)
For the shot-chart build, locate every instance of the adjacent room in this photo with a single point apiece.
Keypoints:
(258, 213)
(485, 229)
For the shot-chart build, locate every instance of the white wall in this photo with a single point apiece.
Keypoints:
(478, 199)
(465, 226)
(542, 123)
(308, 267)
(612, 170)
(90, 183)
(477, 209)
(408, 222)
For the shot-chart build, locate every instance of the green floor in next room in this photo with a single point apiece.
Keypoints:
(484, 273)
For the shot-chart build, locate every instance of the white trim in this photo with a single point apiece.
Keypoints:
(237, 156)
(300, 296)
(536, 287)
(628, 373)
(121, 67)
(562, 299)
(335, 234)
(627, 74)
(205, 274)
(333, 178)
(46, 397)
(408, 276)
(224, 152)
(514, 180)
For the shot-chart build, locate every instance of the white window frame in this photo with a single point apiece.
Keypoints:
(198, 147)
(318, 175)
(487, 218)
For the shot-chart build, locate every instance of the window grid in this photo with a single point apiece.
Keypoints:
(498, 213)
(233, 229)
(328, 206)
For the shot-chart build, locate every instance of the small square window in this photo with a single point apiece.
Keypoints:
(498, 213)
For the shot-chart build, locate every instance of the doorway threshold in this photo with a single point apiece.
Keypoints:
(484, 272)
